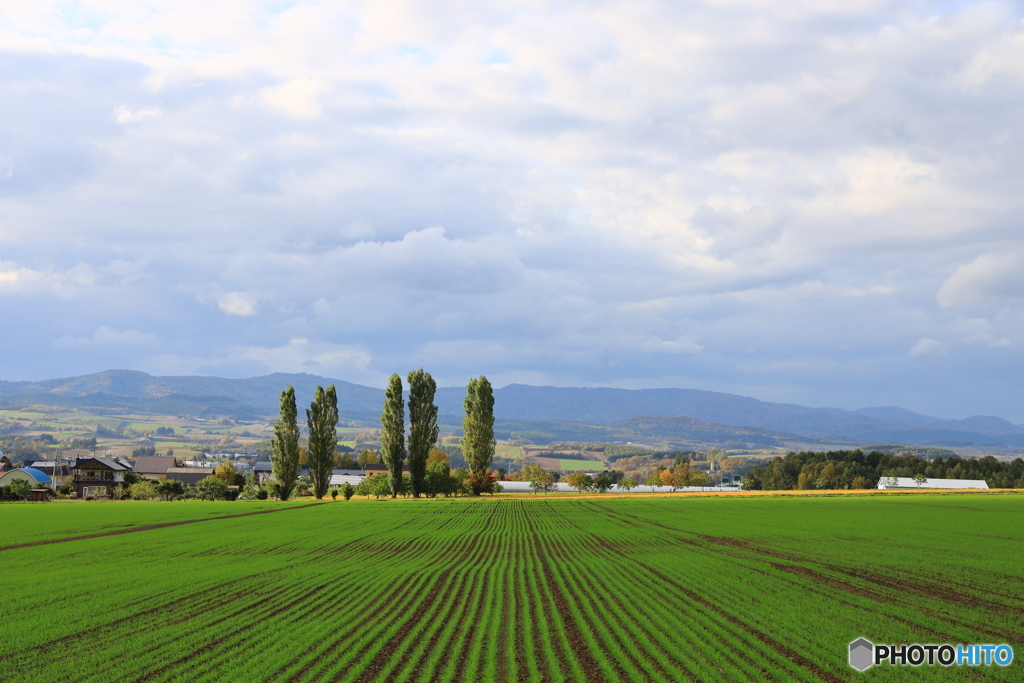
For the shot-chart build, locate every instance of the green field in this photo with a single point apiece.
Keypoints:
(638, 588)
(585, 465)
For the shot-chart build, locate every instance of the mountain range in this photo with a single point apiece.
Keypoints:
(258, 397)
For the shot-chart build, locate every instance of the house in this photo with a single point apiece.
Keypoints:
(154, 466)
(262, 471)
(96, 476)
(370, 470)
(908, 483)
(188, 475)
(35, 478)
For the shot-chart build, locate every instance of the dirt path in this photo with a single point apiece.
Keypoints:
(149, 527)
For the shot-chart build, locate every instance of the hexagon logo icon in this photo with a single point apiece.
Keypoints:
(862, 654)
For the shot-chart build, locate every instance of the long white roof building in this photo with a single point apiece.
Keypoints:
(908, 483)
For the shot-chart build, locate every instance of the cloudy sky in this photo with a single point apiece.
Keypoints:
(808, 202)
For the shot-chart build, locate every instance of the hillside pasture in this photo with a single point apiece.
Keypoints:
(625, 589)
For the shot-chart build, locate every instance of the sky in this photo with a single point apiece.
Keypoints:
(805, 202)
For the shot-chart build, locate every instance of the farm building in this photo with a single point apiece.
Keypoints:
(342, 477)
(370, 470)
(34, 477)
(96, 476)
(188, 475)
(58, 471)
(908, 483)
(154, 466)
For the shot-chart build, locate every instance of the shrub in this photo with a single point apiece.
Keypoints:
(211, 488)
(348, 490)
(19, 489)
(143, 490)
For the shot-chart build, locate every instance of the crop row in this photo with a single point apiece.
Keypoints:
(510, 590)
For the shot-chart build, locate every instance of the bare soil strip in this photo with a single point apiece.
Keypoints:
(149, 527)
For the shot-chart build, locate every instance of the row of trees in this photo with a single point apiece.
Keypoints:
(679, 475)
(857, 470)
(322, 422)
(478, 442)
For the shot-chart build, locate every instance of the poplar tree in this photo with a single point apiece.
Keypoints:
(285, 458)
(322, 419)
(423, 427)
(392, 433)
(478, 432)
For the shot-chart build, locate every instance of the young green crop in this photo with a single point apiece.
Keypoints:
(636, 589)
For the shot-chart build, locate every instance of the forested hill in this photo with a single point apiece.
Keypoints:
(521, 402)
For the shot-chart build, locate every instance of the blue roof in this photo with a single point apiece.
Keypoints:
(38, 475)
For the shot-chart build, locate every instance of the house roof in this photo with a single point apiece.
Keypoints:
(263, 467)
(347, 473)
(38, 475)
(154, 464)
(78, 463)
(342, 479)
(189, 475)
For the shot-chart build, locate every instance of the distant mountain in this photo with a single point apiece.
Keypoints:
(173, 404)
(678, 431)
(517, 402)
(262, 393)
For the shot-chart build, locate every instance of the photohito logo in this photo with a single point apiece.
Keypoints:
(864, 654)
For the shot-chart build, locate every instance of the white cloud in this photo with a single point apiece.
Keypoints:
(125, 114)
(19, 279)
(302, 355)
(927, 346)
(237, 303)
(298, 99)
(680, 345)
(988, 277)
(104, 337)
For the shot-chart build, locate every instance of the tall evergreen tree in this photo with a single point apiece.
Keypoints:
(478, 432)
(423, 427)
(322, 419)
(392, 434)
(285, 458)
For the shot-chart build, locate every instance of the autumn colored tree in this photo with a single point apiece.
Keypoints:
(579, 481)
(654, 478)
(368, 456)
(226, 472)
(436, 455)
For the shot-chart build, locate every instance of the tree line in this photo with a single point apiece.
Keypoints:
(478, 444)
(857, 470)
